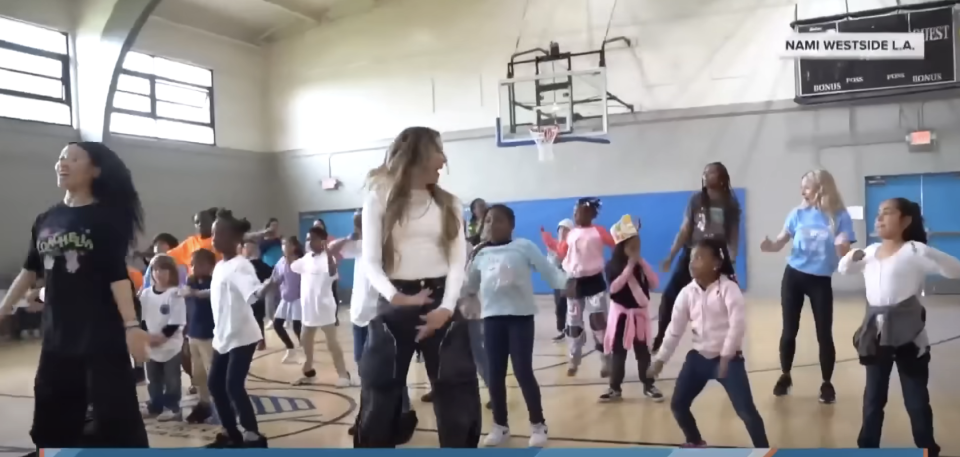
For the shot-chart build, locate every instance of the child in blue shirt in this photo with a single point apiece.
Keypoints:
(501, 272)
(821, 232)
(200, 329)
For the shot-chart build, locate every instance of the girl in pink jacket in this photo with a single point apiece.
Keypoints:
(582, 254)
(712, 306)
(631, 279)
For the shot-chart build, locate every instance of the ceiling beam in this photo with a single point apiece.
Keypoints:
(298, 14)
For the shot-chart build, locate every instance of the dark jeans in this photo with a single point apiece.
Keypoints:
(914, 373)
(228, 374)
(279, 326)
(391, 342)
(696, 372)
(66, 385)
(618, 360)
(560, 303)
(679, 280)
(164, 385)
(511, 338)
(795, 286)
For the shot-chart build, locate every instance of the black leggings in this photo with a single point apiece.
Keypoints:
(260, 313)
(795, 286)
(227, 379)
(618, 361)
(560, 305)
(679, 280)
(279, 327)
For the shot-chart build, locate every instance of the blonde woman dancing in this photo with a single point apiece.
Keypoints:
(821, 232)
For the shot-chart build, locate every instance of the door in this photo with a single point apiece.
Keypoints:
(939, 202)
(880, 188)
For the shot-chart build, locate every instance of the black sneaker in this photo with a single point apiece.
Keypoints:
(200, 414)
(427, 397)
(352, 430)
(610, 396)
(489, 404)
(653, 393)
(783, 385)
(223, 441)
(559, 338)
(828, 395)
(259, 443)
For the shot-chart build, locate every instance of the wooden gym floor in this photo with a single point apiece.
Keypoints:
(318, 416)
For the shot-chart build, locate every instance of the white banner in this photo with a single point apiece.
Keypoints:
(854, 46)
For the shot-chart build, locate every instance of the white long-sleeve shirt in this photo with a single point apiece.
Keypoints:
(896, 278)
(417, 240)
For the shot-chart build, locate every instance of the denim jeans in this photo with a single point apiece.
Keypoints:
(696, 372)
(475, 327)
(227, 383)
(914, 373)
(359, 340)
(164, 385)
(510, 338)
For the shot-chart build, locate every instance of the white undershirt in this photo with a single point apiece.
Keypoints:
(896, 278)
(417, 240)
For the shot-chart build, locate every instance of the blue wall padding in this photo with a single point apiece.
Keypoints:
(660, 213)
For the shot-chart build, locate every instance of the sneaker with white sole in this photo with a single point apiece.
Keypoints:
(538, 435)
(290, 357)
(610, 396)
(344, 381)
(170, 416)
(653, 393)
(497, 436)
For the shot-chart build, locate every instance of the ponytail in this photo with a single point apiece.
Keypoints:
(915, 231)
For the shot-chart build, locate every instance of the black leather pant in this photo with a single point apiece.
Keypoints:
(381, 422)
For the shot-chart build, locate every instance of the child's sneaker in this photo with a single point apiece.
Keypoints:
(783, 385)
(290, 357)
(559, 338)
(308, 379)
(572, 369)
(254, 440)
(611, 395)
(653, 393)
(344, 381)
(201, 412)
(538, 435)
(497, 436)
(192, 390)
(170, 416)
(223, 441)
(695, 445)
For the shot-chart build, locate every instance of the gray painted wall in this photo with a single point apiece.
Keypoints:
(174, 180)
(766, 148)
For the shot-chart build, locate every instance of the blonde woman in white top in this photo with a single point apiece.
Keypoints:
(414, 254)
(893, 331)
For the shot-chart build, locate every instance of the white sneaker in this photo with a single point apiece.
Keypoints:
(497, 436)
(538, 435)
(169, 416)
(344, 381)
(268, 325)
(290, 357)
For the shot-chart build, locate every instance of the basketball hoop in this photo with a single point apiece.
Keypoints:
(544, 136)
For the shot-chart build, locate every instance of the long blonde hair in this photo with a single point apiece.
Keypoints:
(408, 152)
(827, 199)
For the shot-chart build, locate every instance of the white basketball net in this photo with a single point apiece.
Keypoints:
(544, 136)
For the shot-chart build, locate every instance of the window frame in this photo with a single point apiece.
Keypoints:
(153, 79)
(66, 79)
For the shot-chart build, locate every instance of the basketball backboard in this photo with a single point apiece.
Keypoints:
(555, 94)
(575, 101)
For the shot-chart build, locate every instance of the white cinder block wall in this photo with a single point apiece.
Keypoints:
(705, 74)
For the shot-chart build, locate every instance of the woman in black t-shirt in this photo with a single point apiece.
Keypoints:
(713, 213)
(79, 247)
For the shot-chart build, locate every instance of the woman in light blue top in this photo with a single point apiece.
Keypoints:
(501, 271)
(821, 232)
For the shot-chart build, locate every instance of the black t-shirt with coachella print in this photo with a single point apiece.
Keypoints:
(79, 254)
